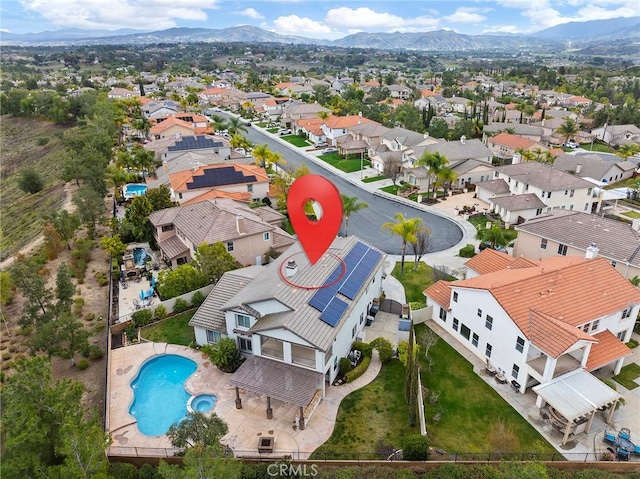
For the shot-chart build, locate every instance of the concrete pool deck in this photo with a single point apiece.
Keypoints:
(246, 425)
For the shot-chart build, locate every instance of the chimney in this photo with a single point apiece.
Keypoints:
(290, 269)
(165, 166)
(240, 224)
(578, 169)
(635, 224)
(517, 158)
(463, 139)
(592, 251)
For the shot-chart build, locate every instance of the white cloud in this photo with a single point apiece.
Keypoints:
(5, 30)
(98, 14)
(502, 29)
(465, 15)
(295, 25)
(368, 19)
(251, 13)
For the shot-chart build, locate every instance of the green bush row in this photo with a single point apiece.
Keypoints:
(359, 370)
(467, 251)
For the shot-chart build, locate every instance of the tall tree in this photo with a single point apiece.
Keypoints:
(197, 430)
(421, 246)
(350, 205)
(65, 223)
(628, 150)
(433, 162)
(160, 198)
(439, 128)
(214, 260)
(406, 229)
(138, 216)
(493, 236)
(568, 129)
(63, 337)
(392, 168)
(261, 153)
(90, 206)
(39, 299)
(236, 126)
(65, 289)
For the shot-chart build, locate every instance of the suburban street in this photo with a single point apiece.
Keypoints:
(367, 223)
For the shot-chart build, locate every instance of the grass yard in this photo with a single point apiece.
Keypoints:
(296, 140)
(627, 375)
(468, 408)
(348, 166)
(174, 330)
(371, 179)
(415, 282)
(631, 214)
(599, 147)
(393, 189)
(374, 418)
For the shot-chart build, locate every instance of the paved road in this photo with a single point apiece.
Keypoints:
(367, 223)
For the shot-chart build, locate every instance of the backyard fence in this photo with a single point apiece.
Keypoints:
(421, 315)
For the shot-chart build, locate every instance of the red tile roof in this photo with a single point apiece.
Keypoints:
(553, 336)
(608, 349)
(241, 196)
(489, 261)
(169, 122)
(440, 292)
(512, 141)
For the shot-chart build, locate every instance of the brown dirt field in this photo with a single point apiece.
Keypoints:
(13, 344)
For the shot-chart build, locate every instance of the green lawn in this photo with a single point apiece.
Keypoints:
(631, 214)
(174, 330)
(627, 375)
(372, 418)
(415, 282)
(296, 140)
(371, 179)
(393, 189)
(468, 407)
(348, 166)
(600, 147)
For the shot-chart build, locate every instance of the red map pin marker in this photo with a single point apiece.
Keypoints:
(315, 236)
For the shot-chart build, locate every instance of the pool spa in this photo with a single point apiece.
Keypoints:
(140, 256)
(131, 190)
(159, 395)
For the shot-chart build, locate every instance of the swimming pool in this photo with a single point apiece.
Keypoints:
(159, 396)
(202, 403)
(132, 190)
(140, 256)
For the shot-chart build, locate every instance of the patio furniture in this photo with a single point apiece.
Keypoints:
(625, 433)
(609, 437)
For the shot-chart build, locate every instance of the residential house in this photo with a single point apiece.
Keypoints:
(576, 101)
(302, 111)
(122, 94)
(543, 326)
(401, 92)
(171, 127)
(399, 145)
(159, 109)
(169, 148)
(458, 104)
(530, 132)
(602, 168)
(534, 188)
(248, 234)
(189, 185)
(617, 135)
(573, 233)
(506, 145)
(337, 126)
(293, 336)
(491, 260)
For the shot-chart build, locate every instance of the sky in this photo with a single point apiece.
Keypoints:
(314, 19)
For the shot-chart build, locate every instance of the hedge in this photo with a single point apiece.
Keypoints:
(358, 371)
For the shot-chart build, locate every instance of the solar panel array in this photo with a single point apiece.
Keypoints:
(194, 143)
(359, 263)
(226, 175)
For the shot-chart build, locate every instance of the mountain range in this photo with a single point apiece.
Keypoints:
(576, 34)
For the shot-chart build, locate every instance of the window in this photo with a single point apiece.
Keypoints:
(244, 344)
(517, 182)
(520, 344)
(167, 228)
(515, 371)
(479, 313)
(571, 207)
(180, 195)
(487, 351)
(586, 327)
(526, 187)
(571, 193)
(243, 321)
(539, 211)
(465, 331)
(266, 236)
(443, 314)
(488, 322)
(549, 194)
(361, 317)
(621, 335)
(566, 192)
(474, 340)
(543, 243)
(589, 191)
(595, 324)
(626, 313)
(354, 331)
(586, 206)
(455, 324)
(614, 263)
(495, 174)
(562, 249)
(229, 245)
(213, 336)
(455, 297)
(250, 188)
(335, 362)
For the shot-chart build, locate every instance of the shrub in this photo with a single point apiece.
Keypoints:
(359, 370)
(415, 448)
(364, 348)
(142, 317)
(78, 304)
(30, 181)
(160, 312)
(95, 352)
(42, 140)
(197, 299)
(224, 354)
(147, 471)
(90, 317)
(82, 364)
(385, 350)
(468, 251)
(123, 470)
(131, 331)
(180, 306)
(101, 278)
(345, 366)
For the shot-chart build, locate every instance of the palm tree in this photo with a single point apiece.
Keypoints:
(434, 162)
(236, 126)
(323, 115)
(261, 153)
(568, 129)
(350, 205)
(406, 228)
(635, 281)
(274, 159)
(628, 150)
(494, 236)
(447, 176)
(143, 125)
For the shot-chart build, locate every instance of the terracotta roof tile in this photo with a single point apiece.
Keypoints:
(512, 141)
(179, 180)
(553, 336)
(489, 261)
(241, 196)
(334, 122)
(440, 292)
(609, 348)
(171, 121)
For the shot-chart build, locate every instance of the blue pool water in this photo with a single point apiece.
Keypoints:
(134, 189)
(202, 403)
(139, 256)
(159, 396)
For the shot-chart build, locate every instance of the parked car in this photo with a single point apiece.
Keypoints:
(284, 131)
(329, 150)
(572, 144)
(319, 144)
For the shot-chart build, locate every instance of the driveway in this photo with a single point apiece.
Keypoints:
(367, 223)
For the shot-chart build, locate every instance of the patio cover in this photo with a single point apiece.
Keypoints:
(576, 394)
(285, 382)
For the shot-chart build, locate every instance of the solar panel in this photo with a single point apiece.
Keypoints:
(359, 275)
(334, 312)
(323, 296)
